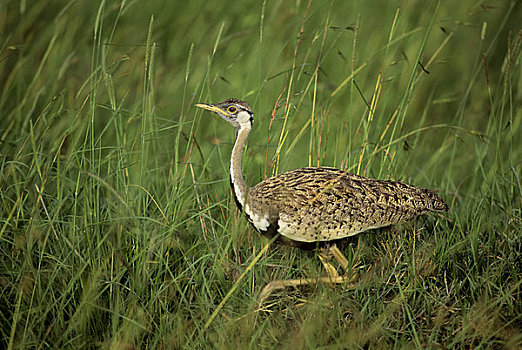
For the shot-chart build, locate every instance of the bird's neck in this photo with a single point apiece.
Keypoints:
(239, 187)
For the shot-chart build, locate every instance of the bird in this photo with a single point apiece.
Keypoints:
(316, 206)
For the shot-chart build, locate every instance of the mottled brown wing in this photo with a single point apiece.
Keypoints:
(322, 204)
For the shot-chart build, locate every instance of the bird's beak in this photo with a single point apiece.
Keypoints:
(212, 108)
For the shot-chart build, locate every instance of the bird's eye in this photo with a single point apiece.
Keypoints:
(231, 109)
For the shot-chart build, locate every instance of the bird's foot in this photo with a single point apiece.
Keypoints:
(332, 278)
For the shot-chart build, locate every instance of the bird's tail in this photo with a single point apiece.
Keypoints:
(434, 202)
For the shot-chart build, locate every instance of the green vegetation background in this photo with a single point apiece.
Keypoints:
(117, 225)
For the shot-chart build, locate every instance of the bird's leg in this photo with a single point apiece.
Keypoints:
(333, 276)
(341, 259)
(324, 257)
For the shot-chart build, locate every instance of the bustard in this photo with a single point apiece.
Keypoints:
(310, 205)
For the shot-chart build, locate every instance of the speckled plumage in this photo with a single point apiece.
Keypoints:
(323, 204)
(310, 205)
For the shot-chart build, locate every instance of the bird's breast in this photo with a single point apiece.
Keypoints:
(259, 220)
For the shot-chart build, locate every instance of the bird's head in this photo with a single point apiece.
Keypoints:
(236, 112)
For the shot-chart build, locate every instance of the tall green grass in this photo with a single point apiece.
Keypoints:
(118, 229)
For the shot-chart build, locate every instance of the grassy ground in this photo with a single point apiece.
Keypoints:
(118, 229)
